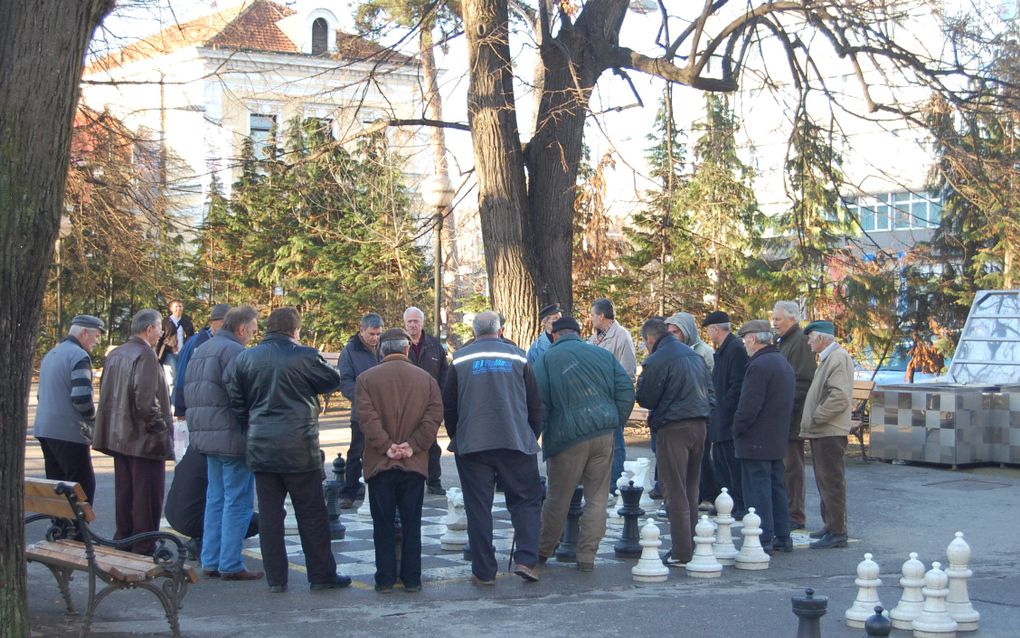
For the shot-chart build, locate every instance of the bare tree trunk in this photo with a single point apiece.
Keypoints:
(499, 166)
(42, 45)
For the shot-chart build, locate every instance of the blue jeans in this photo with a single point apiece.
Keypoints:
(619, 456)
(394, 491)
(765, 491)
(229, 501)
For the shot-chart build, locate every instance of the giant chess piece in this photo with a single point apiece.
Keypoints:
(331, 492)
(613, 517)
(751, 555)
(455, 537)
(641, 471)
(912, 600)
(365, 509)
(878, 625)
(958, 600)
(809, 611)
(725, 550)
(935, 621)
(629, 545)
(290, 527)
(704, 564)
(567, 550)
(867, 582)
(649, 568)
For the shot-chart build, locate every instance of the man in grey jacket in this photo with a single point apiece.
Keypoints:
(216, 433)
(609, 334)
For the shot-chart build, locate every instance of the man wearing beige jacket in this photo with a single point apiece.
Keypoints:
(826, 424)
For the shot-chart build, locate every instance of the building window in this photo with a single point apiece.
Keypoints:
(896, 211)
(260, 129)
(320, 36)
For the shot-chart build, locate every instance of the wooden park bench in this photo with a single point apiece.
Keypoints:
(72, 546)
(860, 416)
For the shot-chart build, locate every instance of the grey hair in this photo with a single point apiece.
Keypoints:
(393, 346)
(725, 326)
(824, 336)
(238, 317)
(791, 309)
(371, 320)
(603, 307)
(485, 324)
(764, 338)
(78, 331)
(413, 310)
(143, 319)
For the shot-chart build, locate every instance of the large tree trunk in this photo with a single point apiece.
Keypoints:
(42, 45)
(499, 167)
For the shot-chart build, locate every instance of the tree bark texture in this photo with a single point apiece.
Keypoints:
(499, 166)
(42, 46)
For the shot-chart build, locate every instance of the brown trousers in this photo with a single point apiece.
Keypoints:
(138, 497)
(828, 459)
(793, 479)
(680, 447)
(587, 464)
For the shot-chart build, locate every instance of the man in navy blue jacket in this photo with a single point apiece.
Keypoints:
(727, 379)
(360, 354)
(760, 428)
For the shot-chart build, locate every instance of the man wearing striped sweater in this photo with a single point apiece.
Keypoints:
(66, 413)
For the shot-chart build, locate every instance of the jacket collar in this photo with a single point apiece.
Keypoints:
(669, 337)
(73, 340)
(277, 337)
(767, 349)
(396, 356)
(791, 332)
(564, 338)
(727, 343)
(143, 342)
(226, 334)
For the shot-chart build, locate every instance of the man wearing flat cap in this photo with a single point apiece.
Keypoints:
(727, 379)
(216, 317)
(760, 428)
(400, 406)
(547, 315)
(826, 425)
(587, 395)
(66, 414)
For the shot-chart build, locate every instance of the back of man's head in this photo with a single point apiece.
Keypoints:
(486, 324)
(654, 328)
(285, 320)
(142, 319)
(238, 317)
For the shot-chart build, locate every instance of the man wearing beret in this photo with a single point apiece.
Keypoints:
(400, 406)
(587, 395)
(547, 315)
(826, 424)
(66, 413)
(727, 379)
(760, 427)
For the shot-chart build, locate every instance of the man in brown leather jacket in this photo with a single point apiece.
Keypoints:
(133, 425)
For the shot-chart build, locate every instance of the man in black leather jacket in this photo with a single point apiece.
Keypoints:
(676, 388)
(274, 391)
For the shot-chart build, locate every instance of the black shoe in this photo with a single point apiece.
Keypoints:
(339, 582)
(655, 493)
(830, 541)
(346, 503)
(384, 589)
(669, 561)
(277, 589)
(437, 490)
(819, 534)
(782, 544)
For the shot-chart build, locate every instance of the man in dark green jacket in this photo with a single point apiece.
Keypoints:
(587, 395)
(794, 346)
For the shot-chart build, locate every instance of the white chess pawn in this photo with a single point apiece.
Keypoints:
(725, 550)
(912, 600)
(642, 478)
(935, 621)
(751, 554)
(613, 511)
(958, 600)
(365, 509)
(649, 568)
(455, 537)
(867, 582)
(704, 563)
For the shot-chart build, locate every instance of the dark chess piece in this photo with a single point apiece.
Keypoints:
(339, 467)
(810, 611)
(331, 491)
(629, 545)
(878, 625)
(567, 550)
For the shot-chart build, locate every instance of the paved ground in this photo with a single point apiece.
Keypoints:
(894, 510)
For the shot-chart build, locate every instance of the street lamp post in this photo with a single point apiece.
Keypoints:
(437, 192)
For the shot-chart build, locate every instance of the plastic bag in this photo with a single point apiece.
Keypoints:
(181, 439)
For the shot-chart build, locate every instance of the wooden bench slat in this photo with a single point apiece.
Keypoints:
(48, 487)
(41, 498)
(123, 566)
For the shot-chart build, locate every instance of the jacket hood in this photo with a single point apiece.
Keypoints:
(685, 321)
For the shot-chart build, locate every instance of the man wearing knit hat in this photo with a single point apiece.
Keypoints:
(400, 407)
(826, 424)
(547, 315)
(587, 395)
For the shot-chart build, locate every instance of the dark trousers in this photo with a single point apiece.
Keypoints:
(435, 467)
(827, 458)
(765, 492)
(518, 473)
(727, 473)
(681, 446)
(138, 496)
(392, 491)
(67, 461)
(352, 486)
(708, 483)
(794, 479)
(305, 489)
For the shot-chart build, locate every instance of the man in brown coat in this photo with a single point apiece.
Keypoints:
(134, 426)
(400, 408)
